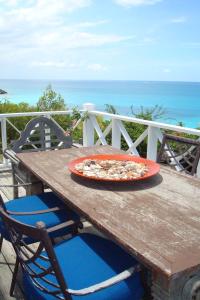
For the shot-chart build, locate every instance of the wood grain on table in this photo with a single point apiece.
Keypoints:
(157, 220)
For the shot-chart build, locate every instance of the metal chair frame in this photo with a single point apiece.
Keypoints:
(40, 134)
(25, 255)
(74, 230)
(185, 160)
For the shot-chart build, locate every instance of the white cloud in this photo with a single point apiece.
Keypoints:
(43, 11)
(179, 20)
(34, 14)
(49, 5)
(43, 24)
(167, 70)
(66, 39)
(9, 2)
(86, 39)
(50, 64)
(57, 64)
(136, 2)
(149, 40)
(192, 44)
(38, 34)
(91, 24)
(96, 67)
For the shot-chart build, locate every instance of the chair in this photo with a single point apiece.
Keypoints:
(184, 158)
(31, 209)
(86, 267)
(40, 134)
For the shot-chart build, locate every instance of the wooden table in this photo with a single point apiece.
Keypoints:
(157, 220)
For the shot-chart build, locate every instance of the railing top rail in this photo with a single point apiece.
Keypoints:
(112, 116)
(148, 123)
(35, 113)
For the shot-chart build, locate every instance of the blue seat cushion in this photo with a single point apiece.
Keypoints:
(86, 260)
(39, 202)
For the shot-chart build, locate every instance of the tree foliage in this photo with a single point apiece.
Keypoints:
(111, 109)
(50, 100)
(7, 106)
(152, 114)
(135, 130)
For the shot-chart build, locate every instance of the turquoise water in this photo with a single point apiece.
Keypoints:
(180, 99)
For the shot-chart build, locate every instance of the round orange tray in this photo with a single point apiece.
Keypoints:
(153, 168)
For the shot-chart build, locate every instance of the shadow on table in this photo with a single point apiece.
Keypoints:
(119, 186)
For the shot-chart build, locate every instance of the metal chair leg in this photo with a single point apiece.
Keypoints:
(14, 278)
(1, 242)
(15, 189)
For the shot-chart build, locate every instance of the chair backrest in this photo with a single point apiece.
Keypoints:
(181, 153)
(41, 134)
(42, 267)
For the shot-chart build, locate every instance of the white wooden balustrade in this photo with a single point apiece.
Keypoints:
(94, 135)
(153, 132)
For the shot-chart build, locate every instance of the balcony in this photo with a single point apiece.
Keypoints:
(92, 134)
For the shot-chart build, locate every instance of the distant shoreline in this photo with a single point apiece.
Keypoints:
(99, 80)
(2, 92)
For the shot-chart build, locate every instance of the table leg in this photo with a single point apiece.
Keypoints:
(22, 175)
(36, 187)
(185, 286)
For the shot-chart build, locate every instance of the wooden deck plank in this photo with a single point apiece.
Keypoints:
(8, 254)
(7, 192)
(6, 178)
(6, 271)
(5, 279)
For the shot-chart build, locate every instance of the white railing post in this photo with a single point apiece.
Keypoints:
(47, 137)
(88, 129)
(116, 134)
(4, 139)
(198, 170)
(152, 143)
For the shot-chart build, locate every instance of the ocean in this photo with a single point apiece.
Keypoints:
(181, 100)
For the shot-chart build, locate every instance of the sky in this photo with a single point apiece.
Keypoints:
(100, 39)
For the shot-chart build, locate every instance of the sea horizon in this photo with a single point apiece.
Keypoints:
(104, 80)
(180, 99)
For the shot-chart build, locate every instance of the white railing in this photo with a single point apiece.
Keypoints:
(153, 131)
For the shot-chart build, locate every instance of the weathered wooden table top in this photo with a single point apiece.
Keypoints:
(157, 220)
